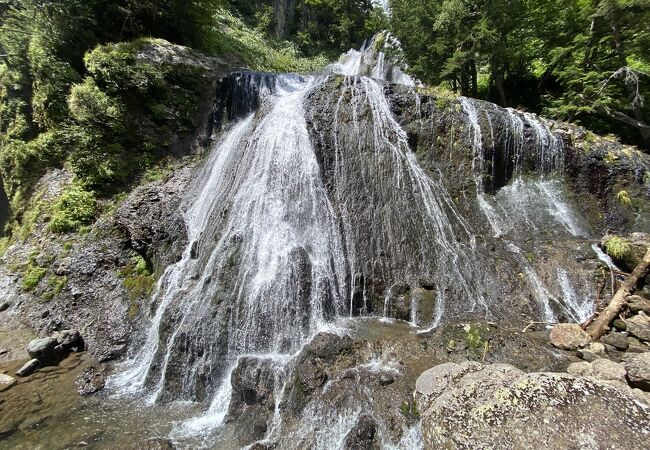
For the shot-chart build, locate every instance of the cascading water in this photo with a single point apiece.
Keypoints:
(525, 204)
(265, 260)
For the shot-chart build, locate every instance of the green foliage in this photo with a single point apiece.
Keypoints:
(89, 105)
(253, 46)
(617, 247)
(32, 277)
(582, 61)
(74, 208)
(624, 198)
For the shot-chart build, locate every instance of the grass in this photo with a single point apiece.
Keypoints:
(233, 36)
(624, 198)
(138, 279)
(617, 247)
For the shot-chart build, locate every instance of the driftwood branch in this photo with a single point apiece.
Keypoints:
(598, 327)
(536, 323)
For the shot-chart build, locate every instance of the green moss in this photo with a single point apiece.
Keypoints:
(138, 278)
(57, 283)
(409, 410)
(73, 209)
(610, 157)
(617, 247)
(32, 277)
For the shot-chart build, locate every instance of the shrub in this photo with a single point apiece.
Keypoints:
(90, 105)
(74, 208)
(617, 247)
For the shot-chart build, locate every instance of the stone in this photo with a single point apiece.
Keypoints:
(62, 266)
(620, 324)
(70, 340)
(638, 370)
(569, 336)
(471, 405)
(4, 306)
(616, 340)
(592, 352)
(328, 345)
(385, 379)
(89, 381)
(28, 368)
(6, 382)
(606, 370)
(155, 444)
(636, 346)
(636, 304)
(362, 435)
(578, 368)
(639, 326)
(44, 350)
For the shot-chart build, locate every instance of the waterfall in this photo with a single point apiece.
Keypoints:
(264, 263)
(525, 204)
(294, 228)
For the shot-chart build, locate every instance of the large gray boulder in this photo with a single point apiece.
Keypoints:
(639, 326)
(45, 350)
(638, 370)
(471, 405)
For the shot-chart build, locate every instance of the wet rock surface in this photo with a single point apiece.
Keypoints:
(472, 405)
(90, 381)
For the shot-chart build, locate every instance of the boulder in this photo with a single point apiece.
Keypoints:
(607, 370)
(636, 304)
(362, 436)
(592, 352)
(385, 379)
(70, 340)
(28, 368)
(89, 381)
(636, 346)
(471, 405)
(45, 350)
(569, 336)
(639, 326)
(638, 370)
(579, 368)
(6, 382)
(616, 340)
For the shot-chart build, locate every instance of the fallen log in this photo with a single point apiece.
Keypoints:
(598, 327)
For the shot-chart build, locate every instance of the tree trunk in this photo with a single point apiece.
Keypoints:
(472, 68)
(601, 324)
(497, 79)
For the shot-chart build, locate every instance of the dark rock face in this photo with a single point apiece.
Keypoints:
(253, 398)
(152, 221)
(362, 436)
(498, 406)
